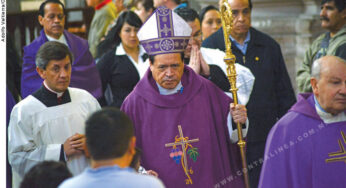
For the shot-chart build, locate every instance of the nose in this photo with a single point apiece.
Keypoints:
(64, 73)
(322, 12)
(343, 89)
(169, 72)
(241, 16)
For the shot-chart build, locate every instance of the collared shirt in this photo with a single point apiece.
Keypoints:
(328, 117)
(57, 94)
(141, 66)
(164, 91)
(241, 47)
(62, 39)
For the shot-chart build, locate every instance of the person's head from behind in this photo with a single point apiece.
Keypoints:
(210, 20)
(333, 15)
(144, 8)
(53, 64)
(241, 12)
(191, 17)
(47, 174)
(167, 69)
(328, 81)
(110, 135)
(52, 18)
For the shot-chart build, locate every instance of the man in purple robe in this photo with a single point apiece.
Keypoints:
(307, 147)
(182, 121)
(84, 72)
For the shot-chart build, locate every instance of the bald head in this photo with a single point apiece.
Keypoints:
(328, 81)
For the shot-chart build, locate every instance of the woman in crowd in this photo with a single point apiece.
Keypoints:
(122, 66)
(210, 20)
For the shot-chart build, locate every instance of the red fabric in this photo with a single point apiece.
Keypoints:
(105, 2)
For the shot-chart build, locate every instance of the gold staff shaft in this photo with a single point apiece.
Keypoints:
(227, 19)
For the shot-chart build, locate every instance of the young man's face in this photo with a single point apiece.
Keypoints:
(330, 89)
(53, 20)
(331, 18)
(57, 74)
(167, 70)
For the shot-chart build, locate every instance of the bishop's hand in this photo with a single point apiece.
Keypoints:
(238, 113)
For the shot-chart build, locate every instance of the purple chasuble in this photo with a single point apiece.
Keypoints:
(201, 110)
(303, 151)
(84, 73)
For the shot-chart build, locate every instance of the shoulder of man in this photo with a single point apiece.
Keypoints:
(262, 38)
(149, 181)
(70, 37)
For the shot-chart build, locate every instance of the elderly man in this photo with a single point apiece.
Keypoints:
(272, 93)
(84, 72)
(306, 148)
(333, 42)
(49, 124)
(111, 144)
(182, 121)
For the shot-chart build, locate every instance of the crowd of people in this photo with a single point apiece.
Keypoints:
(145, 101)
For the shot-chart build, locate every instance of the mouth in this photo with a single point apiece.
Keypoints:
(324, 19)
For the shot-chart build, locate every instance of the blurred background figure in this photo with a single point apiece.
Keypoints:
(105, 13)
(47, 174)
(210, 20)
(144, 8)
(123, 64)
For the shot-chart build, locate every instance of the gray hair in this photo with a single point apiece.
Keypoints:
(316, 67)
(51, 50)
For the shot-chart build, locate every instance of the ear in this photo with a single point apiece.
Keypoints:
(132, 145)
(41, 72)
(314, 86)
(343, 15)
(40, 20)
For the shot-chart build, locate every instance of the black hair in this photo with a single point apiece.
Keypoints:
(177, 1)
(339, 4)
(147, 4)
(136, 159)
(47, 174)
(108, 133)
(205, 10)
(250, 4)
(42, 6)
(52, 50)
(113, 39)
(188, 14)
(152, 58)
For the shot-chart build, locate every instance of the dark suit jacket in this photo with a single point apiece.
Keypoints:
(272, 93)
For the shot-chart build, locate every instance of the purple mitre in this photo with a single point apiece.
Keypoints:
(159, 35)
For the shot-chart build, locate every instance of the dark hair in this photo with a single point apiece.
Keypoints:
(339, 4)
(136, 159)
(205, 10)
(250, 4)
(47, 174)
(188, 14)
(41, 10)
(52, 50)
(152, 58)
(147, 4)
(177, 1)
(113, 39)
(108, 133)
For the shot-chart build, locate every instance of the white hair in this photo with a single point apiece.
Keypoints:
(316, 67)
